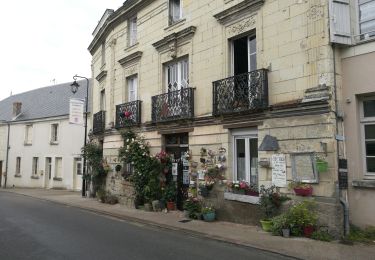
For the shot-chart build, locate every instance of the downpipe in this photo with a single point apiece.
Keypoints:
(343, 201)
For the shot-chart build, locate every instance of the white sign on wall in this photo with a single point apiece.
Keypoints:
(76, 111)
(279, 170)
(174, 169)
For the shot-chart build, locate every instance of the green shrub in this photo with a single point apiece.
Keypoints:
(279, 223)
(322, 235)
(270, 201)
(361, 235)
(193, 206)
(301, 215)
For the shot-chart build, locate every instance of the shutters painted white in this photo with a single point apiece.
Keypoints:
(339, 16)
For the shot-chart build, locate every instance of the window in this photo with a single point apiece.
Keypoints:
(132, 83)
(132, 31)
(368, 133)
(244, 55)
(58, 167)
(78, 166)
(177, 75)
(28, 134)
(35, 166)
(54, 133)
(245, 156)
(367, 18)
(18, 165)
(102, 100)
(175, 11)
(49, 167)
(103, 54)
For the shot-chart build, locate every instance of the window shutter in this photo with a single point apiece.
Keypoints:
(339, 15)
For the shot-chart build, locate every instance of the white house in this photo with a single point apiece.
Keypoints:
(44, 148)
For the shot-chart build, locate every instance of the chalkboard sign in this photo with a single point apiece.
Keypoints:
(304, 167)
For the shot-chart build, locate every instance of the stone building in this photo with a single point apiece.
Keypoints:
(254, 77)
(44, 148)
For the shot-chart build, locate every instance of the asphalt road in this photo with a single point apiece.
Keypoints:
(36, 229)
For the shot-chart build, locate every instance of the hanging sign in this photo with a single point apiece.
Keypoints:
(76, 111)
(279, 170)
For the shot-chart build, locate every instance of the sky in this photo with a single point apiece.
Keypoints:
(45, 42)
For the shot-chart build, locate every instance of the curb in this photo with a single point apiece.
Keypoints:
(158, 225)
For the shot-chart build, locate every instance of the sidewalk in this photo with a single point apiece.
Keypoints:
(223, 231)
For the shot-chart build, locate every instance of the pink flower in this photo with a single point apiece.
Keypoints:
(127, 114)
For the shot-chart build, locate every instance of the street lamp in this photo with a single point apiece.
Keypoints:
(74, 88)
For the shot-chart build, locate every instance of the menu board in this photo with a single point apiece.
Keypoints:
(279, 170)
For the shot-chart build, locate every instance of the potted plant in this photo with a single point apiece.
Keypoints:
(302, 218)
(269, 203)
(321, 163)
(252, 190)
(280, 225)
(170, 196)
(193, 208)
(301, 189)
(208, 213)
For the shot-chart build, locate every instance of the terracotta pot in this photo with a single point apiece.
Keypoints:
(308, 230)
(303, 191)
(171, 205)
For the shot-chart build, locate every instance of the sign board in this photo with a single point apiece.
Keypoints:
(279, 170)
(76, 111)
(174, 169)
(185, 177)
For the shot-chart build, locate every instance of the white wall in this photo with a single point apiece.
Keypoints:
(3, 145)
(70, 141)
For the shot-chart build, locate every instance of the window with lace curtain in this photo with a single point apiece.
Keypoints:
(175, 11)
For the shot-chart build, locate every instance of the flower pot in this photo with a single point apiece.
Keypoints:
(322, 166)
(252, 193)
(171, 205)
(239, 191)
(209, 217)
(303, 191)
(156, 205)
(148, 207)
(308, 230)
(286, 232)
(266, 225)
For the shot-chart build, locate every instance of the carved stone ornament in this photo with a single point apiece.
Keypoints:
(315, 12)
(241, 27)
(131, 71)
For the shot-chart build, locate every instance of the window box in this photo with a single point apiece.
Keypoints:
(241, 198)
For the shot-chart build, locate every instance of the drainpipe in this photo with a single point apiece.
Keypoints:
(343, 200)
(7, 158)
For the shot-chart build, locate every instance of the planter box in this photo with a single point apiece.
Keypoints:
(322, 166)
(303, 192)
(241, 198)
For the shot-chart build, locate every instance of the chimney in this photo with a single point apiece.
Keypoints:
(17, 108)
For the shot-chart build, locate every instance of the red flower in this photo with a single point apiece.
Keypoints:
(127, 114)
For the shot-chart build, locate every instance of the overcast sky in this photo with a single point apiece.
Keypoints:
(44, 40)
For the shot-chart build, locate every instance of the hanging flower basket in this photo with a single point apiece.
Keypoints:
(322, 166)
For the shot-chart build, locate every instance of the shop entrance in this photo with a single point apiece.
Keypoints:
(177, 145)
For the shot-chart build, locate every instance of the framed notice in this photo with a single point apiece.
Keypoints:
(304, 167)
(279, 170)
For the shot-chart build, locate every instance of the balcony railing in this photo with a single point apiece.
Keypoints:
(99, 123)
(241, 93)
(128, 114)
(174, 105)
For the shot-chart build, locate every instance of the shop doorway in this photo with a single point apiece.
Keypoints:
(177, 145)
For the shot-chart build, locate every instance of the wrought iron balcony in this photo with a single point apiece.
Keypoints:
(174, 105)
(99, 123)
(128, 114)
(241, 93)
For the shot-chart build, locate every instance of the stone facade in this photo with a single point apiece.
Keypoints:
(292, 44)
